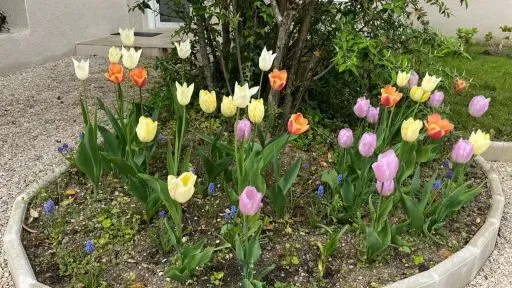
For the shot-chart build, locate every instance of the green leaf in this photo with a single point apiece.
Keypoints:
(253, 249)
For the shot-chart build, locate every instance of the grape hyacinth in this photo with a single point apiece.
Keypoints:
(211, 188)
(161, 137)
(340, 179)
(162, 214)
(319, 193)
(49, 207)
(89, 247)
(437, 184)
(446, 164)
(231, 214)
(64, 148)
(449, 174)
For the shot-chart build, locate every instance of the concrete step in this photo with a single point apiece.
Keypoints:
(158, 45)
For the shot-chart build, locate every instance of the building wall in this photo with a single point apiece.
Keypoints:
(486, 15)
(53, 28)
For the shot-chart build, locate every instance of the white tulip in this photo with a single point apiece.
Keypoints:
(429, 83)
(114, 55)
(130, 57)
(183, 49)
(127, 36)
(184, 93)
(81, 69)
(266, 59)
(243, 94)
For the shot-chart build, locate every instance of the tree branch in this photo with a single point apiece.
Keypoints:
(277, 14)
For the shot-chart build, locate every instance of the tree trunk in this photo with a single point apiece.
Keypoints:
(203, 50)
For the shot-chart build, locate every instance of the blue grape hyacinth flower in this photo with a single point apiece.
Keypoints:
(438, 185)
(211, 188)
(49, 207)
(320, 192)
(89, 247)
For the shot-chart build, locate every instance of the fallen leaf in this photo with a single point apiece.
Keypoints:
(444, 253)
(28, 229)
(71, 192)
(136, 285)
(33, 213)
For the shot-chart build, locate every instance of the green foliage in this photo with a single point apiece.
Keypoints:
(88, 157)
(327, 249)
(466, 35)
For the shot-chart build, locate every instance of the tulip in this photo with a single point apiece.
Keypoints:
(402, 78)
(130, 57)
(367, 144)
(227, 106)
(183, 49)
(413, 80)
(478, 106)
(115, 73)
(184, 93)
(243, 94)
(81, 69)
(480, 141)
(256, 110)
(462, 152)
(243, 130)
(207, 101)
(249, 201)
(389, 96)
(278, 79)
(127, 36)
(266, 59)
(437, 127)
(386, 167)
(182, 188)
(459, 85)
(373, 115)
(418, 94)
(411, 129)
(114, 55)
(436, 99)
(146, 129)
(429, 83)
(362, 107)
(345, 138)
(385, 188)
(297, 124)
(139, 77)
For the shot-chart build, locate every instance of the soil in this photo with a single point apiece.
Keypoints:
(131, 257)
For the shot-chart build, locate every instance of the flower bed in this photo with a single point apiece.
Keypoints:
(239, 204)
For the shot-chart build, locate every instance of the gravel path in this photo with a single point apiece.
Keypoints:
(39, 109)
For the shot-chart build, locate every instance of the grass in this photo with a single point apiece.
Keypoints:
(490, 76)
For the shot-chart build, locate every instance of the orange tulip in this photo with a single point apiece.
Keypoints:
(437, 127)
(139, 77)
(459, 85)
(389, 96)
(297, 124)
(115, 73)
(278, 79)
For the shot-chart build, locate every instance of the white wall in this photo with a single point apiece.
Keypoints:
(486, 15)
(54, 26)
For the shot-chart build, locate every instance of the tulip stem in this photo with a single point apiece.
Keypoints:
(236, 152)
(140, 96)
(180, 140)
(261, 81)
(389, 122)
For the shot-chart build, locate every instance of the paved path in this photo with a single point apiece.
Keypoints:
(39, 108)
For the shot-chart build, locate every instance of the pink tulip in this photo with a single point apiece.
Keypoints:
(362, 107)
(386, 167)
(413, 80)
(385, 188)
(250, 201)
(373, 115)
(436, 99)
(243, 130)
(367, 144)
(478, 106)
(345, 138)
(462, 152)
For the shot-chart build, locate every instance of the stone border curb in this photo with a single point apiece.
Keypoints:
(19, 266)
(456, 271)
(499, 151)
(459, 269)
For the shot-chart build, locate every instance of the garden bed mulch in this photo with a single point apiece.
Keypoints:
(129, 254)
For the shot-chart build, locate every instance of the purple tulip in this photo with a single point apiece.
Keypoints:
(478, 106)
(345, 138)
(362, 107)
(373, 115)
(436, 99)
(413, 80)
(243, 130)
(385, 188)
(386, 167)
(462, 152)
(367, 144)
(250, 201)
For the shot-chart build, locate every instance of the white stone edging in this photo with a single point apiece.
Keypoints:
(499, 151)
(454, 272)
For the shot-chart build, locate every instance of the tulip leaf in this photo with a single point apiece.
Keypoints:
(110, 142)
(87, 156)
(253, 251)
(414, 212)
(377, 241)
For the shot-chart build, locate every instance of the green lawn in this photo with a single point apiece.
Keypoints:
(492, 77)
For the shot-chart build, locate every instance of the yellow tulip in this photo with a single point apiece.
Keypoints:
(429, 83)
(114, 54)
(228, 107)
(418, 94)
(127, 36)
(480, 141)
(182, 188)
(184, 93)
(146, 129)
(256, 110)
(411, 129)
(402, 78)
(207, 101)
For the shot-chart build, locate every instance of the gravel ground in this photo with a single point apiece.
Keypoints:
(39, 108)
